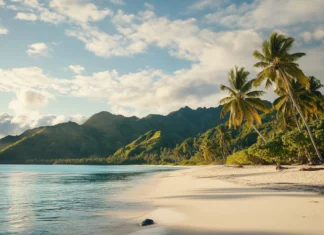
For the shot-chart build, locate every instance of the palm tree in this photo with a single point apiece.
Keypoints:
(208, 149)
(224, 137)
(314, 87)
(242, 102)
(305, 100)
(279, 67)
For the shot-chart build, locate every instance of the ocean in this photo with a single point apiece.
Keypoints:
(65, 199)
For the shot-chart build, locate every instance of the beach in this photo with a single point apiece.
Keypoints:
(226, 200)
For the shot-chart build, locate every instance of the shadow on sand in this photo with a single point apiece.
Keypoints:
(238, 193)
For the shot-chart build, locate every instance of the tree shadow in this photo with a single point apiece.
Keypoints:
(235, 175)
(238, 193)
(189, 231)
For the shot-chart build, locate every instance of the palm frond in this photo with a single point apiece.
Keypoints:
(225, 109)
(258, 104)
(225, 100)
(254, 94)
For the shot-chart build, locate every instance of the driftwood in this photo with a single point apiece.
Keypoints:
(280, 168)
(235, 166)
(239, 166)
(311, 169)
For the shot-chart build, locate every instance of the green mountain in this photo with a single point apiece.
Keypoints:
(154, 146)
(141, 149)
(103, 134)
(67, 140)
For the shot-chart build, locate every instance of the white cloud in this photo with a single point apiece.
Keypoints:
(202, 4)
(319, 34)
(29, 102)
(51, 17)
(50, 120)
(16, 79)
(58, 11)
(38, 49)
(307, 36)
(79, 11)
(17, 124)
(117, 2)
(268, 13)
(3, 30)
(149, 6)
(2, 3)
(106, 45)
(26, 16)
(76, 68)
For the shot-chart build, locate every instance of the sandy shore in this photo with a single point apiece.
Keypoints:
(225, 200)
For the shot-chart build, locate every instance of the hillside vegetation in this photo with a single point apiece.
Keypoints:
(103, 134)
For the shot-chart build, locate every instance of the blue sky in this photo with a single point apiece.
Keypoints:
(68, 59)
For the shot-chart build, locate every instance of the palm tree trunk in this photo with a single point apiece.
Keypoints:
(308, 156)
(293, 111)
(301, 115)
(257, 131)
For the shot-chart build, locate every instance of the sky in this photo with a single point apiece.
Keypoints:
(65, 60)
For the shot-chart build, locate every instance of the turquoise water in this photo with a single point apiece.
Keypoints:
(64, 199)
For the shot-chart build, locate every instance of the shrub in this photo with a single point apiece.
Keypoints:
(240, 157)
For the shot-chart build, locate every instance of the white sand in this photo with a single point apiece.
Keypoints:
(223, 200)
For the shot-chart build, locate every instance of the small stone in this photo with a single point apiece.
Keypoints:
(147, 222)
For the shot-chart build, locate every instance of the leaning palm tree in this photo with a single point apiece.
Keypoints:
(280, 67)
(243, 103)
(305, 100)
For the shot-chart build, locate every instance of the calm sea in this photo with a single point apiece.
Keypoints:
(64, 199)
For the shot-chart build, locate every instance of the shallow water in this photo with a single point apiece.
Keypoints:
(64, 199)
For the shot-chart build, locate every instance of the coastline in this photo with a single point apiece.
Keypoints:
(225, 200)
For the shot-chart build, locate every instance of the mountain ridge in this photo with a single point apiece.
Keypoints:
(104, 133)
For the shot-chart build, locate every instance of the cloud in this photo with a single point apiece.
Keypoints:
(26, 16)
(38, 49)
(29, 102)
(58, 11)
(307, 36)
(117, 2)
(105, 45)
(268, 13)
(79, 11)
(16, 79)
(202, 4)
(50, 120)
(17, 124)
(3, 30)
(317, 35)
(2, 3)
(9, 126)
(149, 6)
(76, 68)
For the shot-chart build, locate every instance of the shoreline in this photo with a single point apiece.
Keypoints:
(224, 200)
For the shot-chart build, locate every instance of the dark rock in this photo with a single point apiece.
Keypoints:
(238, 166)
(147, 222)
